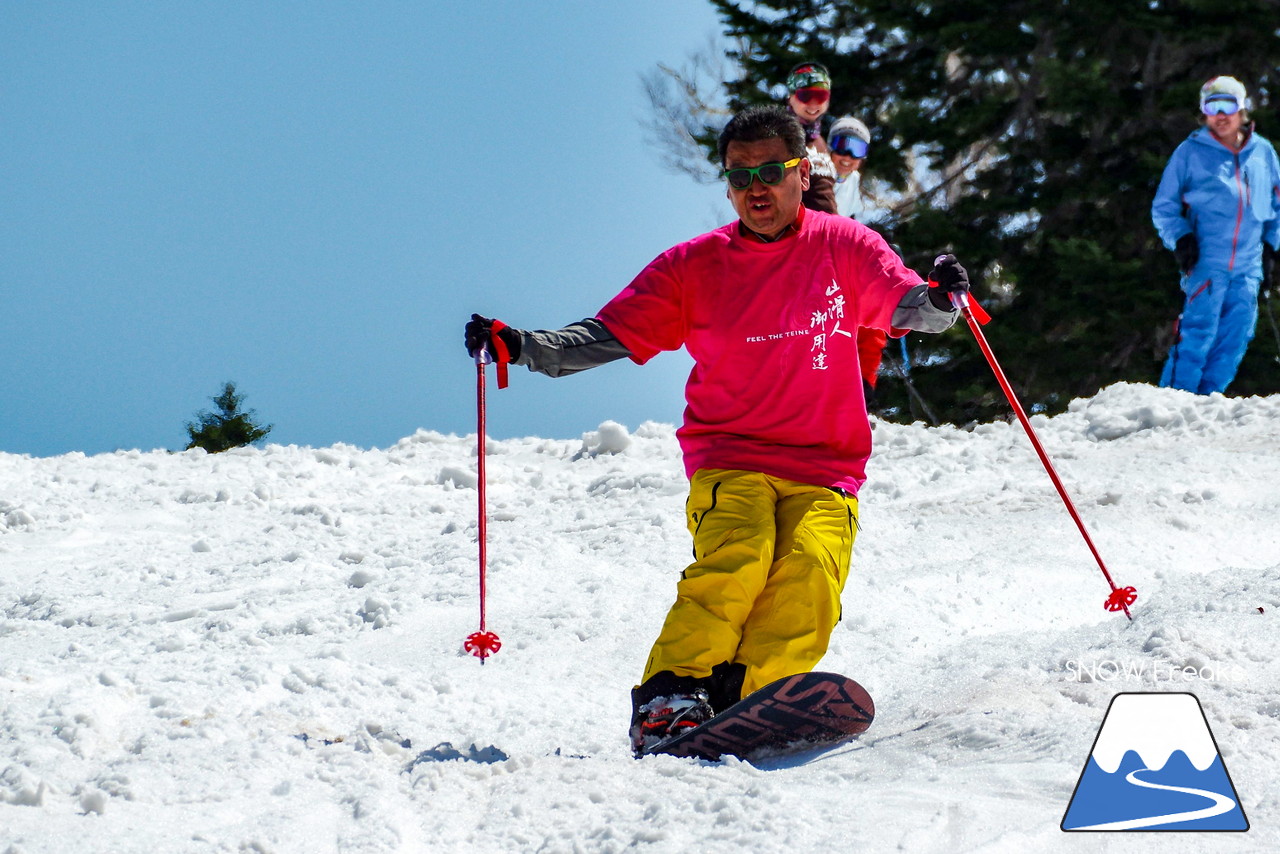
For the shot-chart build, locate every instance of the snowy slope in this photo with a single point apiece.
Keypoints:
(260, 650)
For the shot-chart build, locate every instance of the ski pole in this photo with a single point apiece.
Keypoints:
(1121, 597)
(482, 643)
(1177, 333)
(1272, 316)
(904, 371)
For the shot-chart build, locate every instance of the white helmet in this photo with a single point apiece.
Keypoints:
(1223, 89)
(849, 126)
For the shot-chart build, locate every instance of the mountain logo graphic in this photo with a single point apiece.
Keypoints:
(1154, 766)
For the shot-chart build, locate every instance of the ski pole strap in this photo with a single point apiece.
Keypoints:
(502, 356)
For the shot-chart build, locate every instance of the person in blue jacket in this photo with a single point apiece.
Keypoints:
(1218, 209)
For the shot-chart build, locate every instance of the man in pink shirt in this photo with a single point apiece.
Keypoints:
(775, 435)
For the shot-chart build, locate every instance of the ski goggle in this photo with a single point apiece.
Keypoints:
(817, 96)
(1220, 106)
(769, 174)
(849, 146)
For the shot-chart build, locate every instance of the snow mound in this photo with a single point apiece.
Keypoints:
(262, 650)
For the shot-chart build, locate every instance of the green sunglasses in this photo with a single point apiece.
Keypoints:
(768, 173)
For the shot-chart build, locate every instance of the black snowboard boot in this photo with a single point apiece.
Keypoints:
(666, 704)
(666, 716)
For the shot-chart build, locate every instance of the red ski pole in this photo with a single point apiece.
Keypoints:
(1121, 597)
(483, 643)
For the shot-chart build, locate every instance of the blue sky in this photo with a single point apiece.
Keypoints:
(309, 199)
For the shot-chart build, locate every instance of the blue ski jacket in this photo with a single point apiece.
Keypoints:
(1231, 201)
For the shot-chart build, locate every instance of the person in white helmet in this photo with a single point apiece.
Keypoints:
(1218, 209)
(848, 141)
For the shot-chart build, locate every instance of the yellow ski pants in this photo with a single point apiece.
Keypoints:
(771, 557)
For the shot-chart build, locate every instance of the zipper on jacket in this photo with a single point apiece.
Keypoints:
(1235, 236)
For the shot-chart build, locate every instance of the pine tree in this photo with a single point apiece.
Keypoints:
(229, 427)
(1028, 138)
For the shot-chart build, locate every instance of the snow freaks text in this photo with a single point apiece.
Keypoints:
(1113, 670)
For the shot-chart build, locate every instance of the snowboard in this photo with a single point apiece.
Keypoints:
(795, 713)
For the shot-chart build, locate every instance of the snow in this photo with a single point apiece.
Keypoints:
(261, 650)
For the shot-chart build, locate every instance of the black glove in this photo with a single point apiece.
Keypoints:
(947, 278)
(479, 330)
(1187, 252)
(1268, 266)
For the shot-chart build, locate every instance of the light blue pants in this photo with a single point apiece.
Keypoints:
(1214, 331)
